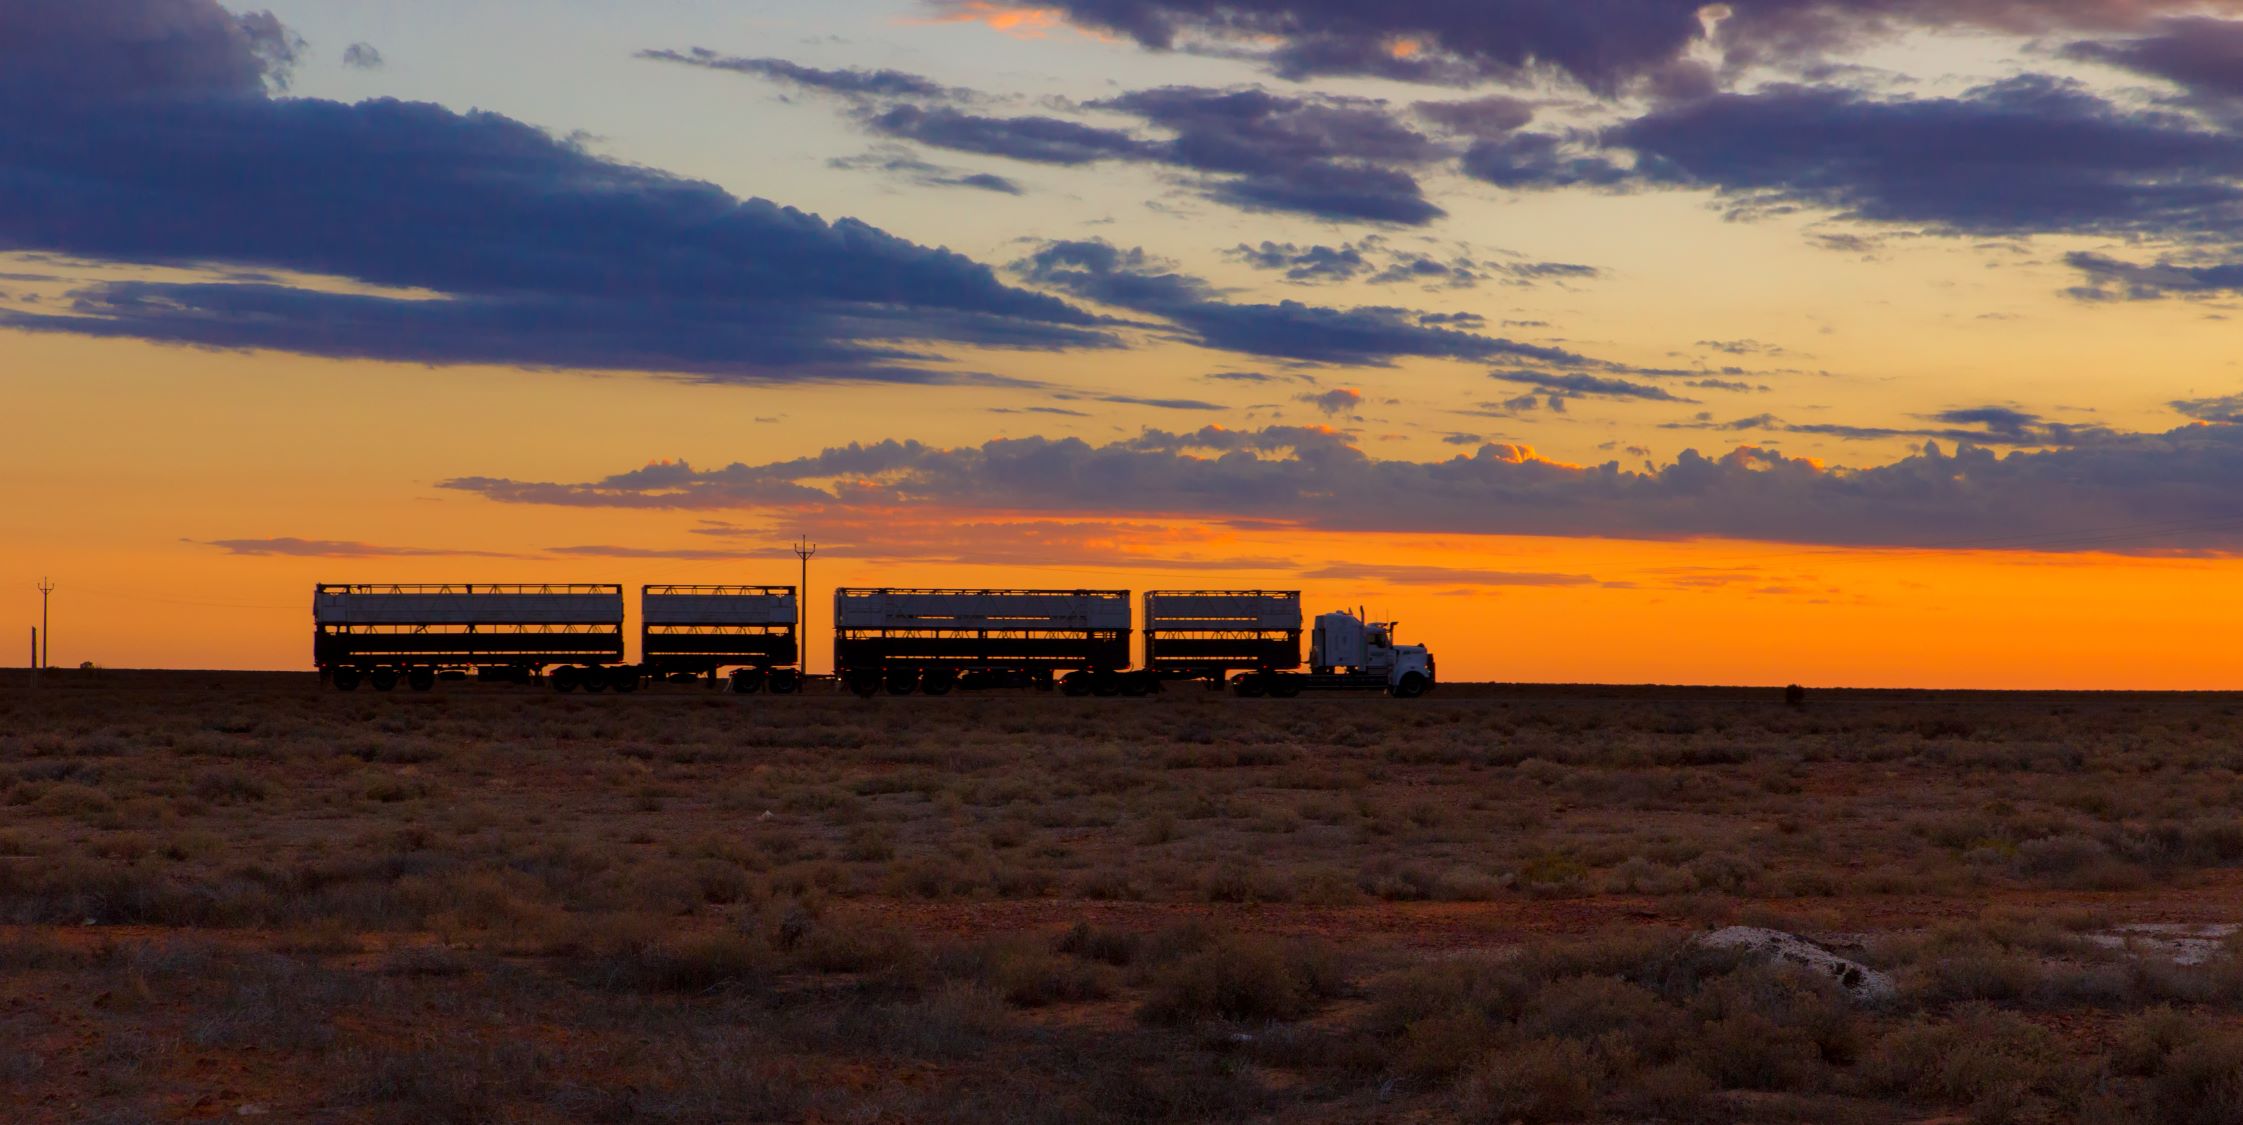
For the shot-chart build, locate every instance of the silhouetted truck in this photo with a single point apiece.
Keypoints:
(903, 641)
(689, 631)
(416, 633)
(1256, 634)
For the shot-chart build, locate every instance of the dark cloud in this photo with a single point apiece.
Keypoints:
(851, 81)
(1481, 118)
(1587, 386)
(2202, 56)
(1980, 425)
(2110, 279)
(1137, 400)
(459, 238)
(2028, 155)
(362, 56)
(292, 547)
(1606, 45)
(1370, 336)
(1335, 402)
(2139, 492)
(1373, 260)
(898, 161)
(2226, 409)
(1040, 140)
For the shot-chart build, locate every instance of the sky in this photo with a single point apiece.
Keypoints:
(1847, 342)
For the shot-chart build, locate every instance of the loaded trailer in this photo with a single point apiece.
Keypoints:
(384, 633)
(1252, 639)
(696, 631)
(901, 641)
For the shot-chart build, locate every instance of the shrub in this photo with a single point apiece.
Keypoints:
(1243, 978)
(1542, 1080)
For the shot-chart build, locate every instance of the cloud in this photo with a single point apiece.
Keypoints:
(852, 81)
(1607, 47)
(898, 161)
(406, 232)
(1979, 425)
(2226, 409)
(2110, 279)
(2028, 155)
(292, 547)
(69, 49)
(1587, 386)
(1341, 400)
(1135, 400)
(1369, 336)
(2132, 492)
(1372, 260)
(362, 56)
(1403, 575)
(2202, 56)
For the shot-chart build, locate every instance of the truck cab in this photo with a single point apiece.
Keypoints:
(1346, 645)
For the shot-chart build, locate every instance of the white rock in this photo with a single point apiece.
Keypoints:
(1864, 984)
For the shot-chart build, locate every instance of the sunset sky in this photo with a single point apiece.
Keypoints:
(1848, 342)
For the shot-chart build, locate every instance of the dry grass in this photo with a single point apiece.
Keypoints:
(498, 904)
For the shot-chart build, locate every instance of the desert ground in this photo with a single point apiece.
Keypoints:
(240, 895)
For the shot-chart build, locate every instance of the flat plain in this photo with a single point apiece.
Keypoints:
(240, 895)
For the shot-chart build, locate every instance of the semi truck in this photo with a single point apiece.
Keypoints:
(903, 640)
(416, 633)
(689, 632)
(1252, 640)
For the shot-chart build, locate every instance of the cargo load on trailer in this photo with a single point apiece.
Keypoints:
(1207, 634)
(384, 633)
(902, 641)
(697, 631)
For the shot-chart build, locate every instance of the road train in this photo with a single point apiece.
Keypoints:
(897, 641)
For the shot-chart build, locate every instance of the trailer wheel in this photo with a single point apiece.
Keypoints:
(1411, 685)
(747, 681)
(865, 682)
(1284, 687)
(938, 681)
(383, 678)
(785, 681)
(420, 677)
(903, 681)
(1136, 685)
(346, 678)
(1250, 686)
(592, 679)
(1105, 685)
(1074, 685)
(623, 678)
(566, 679)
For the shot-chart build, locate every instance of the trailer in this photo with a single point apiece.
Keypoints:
(902, 641)
(417, 633)
(1252, 640)
(696, 631)
(1208, 634)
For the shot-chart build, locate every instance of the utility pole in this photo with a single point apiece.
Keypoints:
(803, 549)
(46, 636)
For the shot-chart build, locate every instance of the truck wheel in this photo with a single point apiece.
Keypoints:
(623, 678)
(420, 678)
(1284, 687)
(346, 678)
(1250, 686)
(865, 681)
(1410, 686)
(383, 678)
(565, 679)
(1135, 685)
(747, 681)
(1074, 685)
(1105, 685)
(903, 681)
(938, 681)
(785, 681)
(593, 679)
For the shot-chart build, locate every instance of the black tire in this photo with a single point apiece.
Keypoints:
(1251, 686)
(593, 679)
(1410, 686)
(1284, 687)
(747, 681)
(1135, 685)
(420, 678)
(903, 681)
(865, 682)
(623, 678)
(785, 681)
(566, 679)
(346, 678)
(938, 681)
(1074, 685)
(383, 678)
